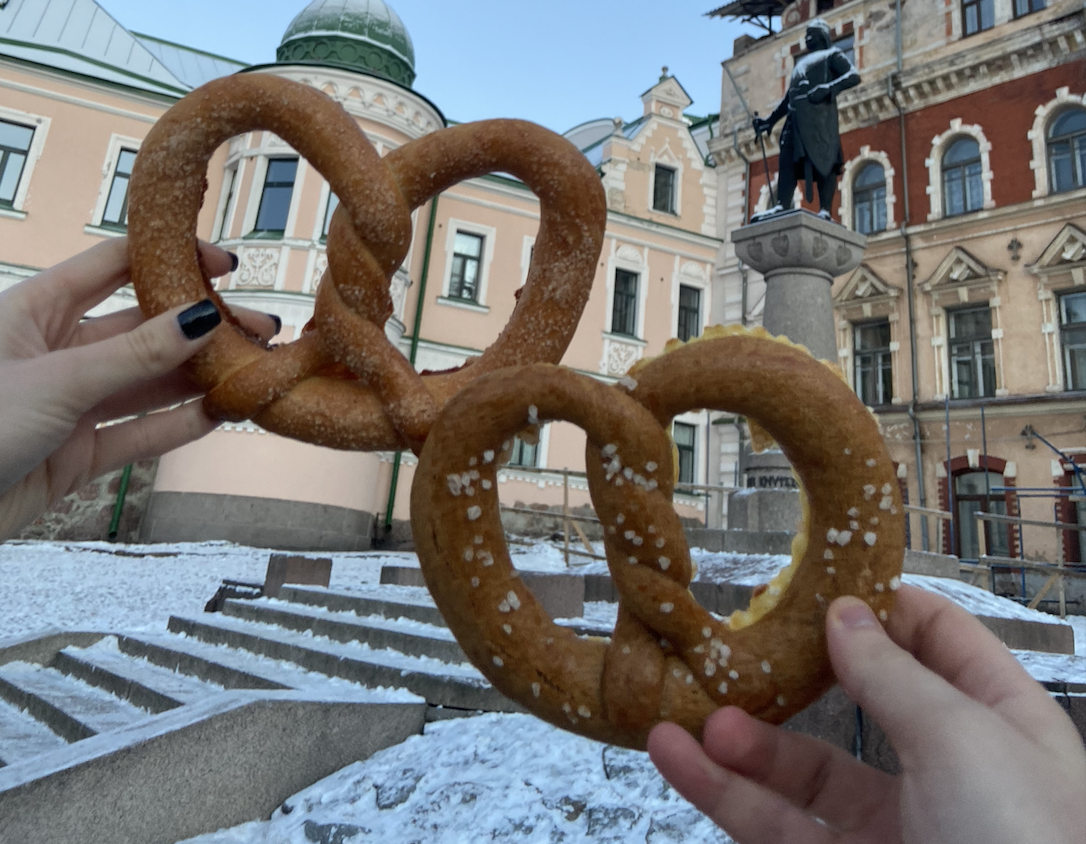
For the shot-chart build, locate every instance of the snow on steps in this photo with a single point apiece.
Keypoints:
(84, 715)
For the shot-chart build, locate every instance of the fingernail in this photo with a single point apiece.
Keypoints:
(233, 261)
(854, 614)
(199, 319)
(278, 322)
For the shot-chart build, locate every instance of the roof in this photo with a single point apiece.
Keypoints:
(79, 36)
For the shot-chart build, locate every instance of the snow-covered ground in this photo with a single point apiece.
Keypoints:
(491, 778)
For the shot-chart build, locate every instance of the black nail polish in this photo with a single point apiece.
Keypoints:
(199, 319)
(278, 322)
(233, 261)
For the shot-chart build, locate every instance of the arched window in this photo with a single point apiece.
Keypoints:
(963, 190)
(1067, 151)
(973, 494)
(869, 200)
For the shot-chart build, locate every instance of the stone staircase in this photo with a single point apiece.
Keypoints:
(350, 673)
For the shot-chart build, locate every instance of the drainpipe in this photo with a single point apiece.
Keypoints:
(910, 282)
(394, 482)
(118, 505)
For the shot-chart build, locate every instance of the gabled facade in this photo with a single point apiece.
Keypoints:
(965, 165)
(82, 124)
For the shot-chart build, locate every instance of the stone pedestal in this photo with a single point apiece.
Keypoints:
(799, 254)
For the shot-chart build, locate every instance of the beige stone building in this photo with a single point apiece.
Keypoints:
(965, 164)
(78, 92)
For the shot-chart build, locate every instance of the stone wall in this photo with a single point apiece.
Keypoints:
(86, 513)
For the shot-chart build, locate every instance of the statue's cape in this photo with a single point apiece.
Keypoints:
(816, 125)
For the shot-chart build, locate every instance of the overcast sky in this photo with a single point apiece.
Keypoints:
(559, 62)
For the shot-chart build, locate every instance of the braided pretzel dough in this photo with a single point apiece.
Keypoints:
(384, 404)
(771, 659)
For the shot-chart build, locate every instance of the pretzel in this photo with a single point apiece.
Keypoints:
(668, 658)
(298, 389)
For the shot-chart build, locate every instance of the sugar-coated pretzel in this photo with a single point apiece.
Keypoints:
(289, 389)
(668, 658)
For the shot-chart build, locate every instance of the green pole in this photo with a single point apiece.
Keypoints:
(414, 349)
(118, 505)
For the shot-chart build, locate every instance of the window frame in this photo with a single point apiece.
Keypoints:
(979, 5)
(256, 230)
(517, 452)
(881, 364)
(1066, 348)
(686, 450)
(121, 223)
(948, 172)
(631, 303)
(228, 200)
(874, 200)
(39, 124)
(977, 361)
(672, 203)
(331, 203)
(456, 287)
(6, 153)
(489, 235)
(1034, 7)
(686, 311)
(1073, 139)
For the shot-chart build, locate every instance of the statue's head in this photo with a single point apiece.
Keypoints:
(818, 35)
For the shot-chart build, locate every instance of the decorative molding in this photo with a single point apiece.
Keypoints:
(619, 354)
(1038, 135)
(1061, 266)
(257, 268)
(39, 124)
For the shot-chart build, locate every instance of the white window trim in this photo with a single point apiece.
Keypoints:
(488, 234)
(40, 125)
(526, 257)
(851, 170)
(224, 217)
(939, 145)
(1038, 136)
(691, 273)
(940, 340)
(271, 147)
(666, 158)
(634, 260)
(109, 168)
(322, 210)
(696, 419)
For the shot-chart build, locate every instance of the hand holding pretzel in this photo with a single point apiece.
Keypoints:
(668, 659)
(386, 404)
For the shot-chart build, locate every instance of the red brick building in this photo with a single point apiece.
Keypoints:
(965, 163)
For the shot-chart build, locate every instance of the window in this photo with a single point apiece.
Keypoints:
(973, 494)
(524, 454)
(271, 217)
(14, 148)
(1026, 7)
(869, 200)
(963, 190)
(977, 15)
(685, 436)
(624, 308)
(972, 353)
(466, 260)
(689, 312)
(873, 372)
(231, 185)
(1067, 151)
(824, 5)
(116, 212)
(847, 45)
(1073, 339)
(329, 210)
(663, 190)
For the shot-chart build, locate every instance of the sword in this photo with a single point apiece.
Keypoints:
(765, 163)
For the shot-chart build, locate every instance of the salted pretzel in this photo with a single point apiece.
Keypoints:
(297, 389)
(668, 658)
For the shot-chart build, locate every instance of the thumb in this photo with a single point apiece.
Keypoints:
(895, 689)
(91, 373)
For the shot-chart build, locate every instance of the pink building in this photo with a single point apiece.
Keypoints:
(78, 92)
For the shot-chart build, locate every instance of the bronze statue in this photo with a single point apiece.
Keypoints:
(810, 144)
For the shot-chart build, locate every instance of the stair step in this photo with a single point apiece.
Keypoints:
(22, 736)
(73, 709)
(414, 638)
(457, 685)
(413, 602)
(133, 678)
(242, 669)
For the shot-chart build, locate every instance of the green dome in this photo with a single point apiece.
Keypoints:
(363, 35)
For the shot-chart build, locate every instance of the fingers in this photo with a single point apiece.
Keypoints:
(100, 328)
(818, 778)
(149, 436)
(167, 391)
(748, 812)
(85, 376)
(966, 666)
